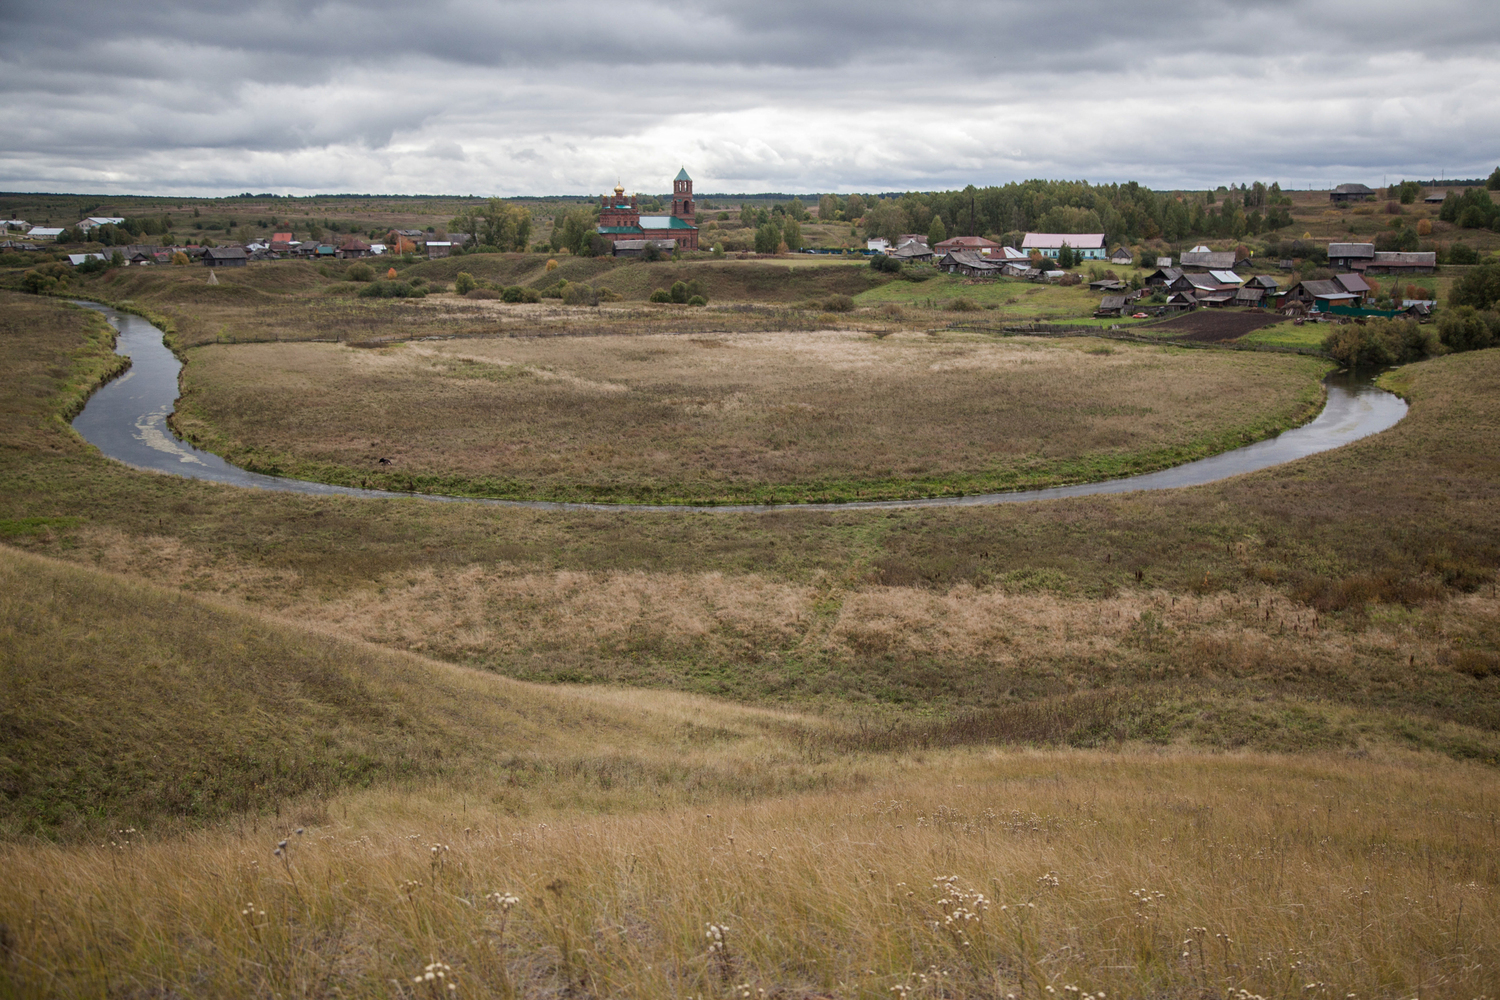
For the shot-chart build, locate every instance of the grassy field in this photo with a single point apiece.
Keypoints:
(1352, 593)
(766, 417)
(1240, 737)
(364, 817)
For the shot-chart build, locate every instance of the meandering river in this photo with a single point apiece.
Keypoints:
(127, 421)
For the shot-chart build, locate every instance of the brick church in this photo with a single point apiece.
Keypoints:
(621, 220)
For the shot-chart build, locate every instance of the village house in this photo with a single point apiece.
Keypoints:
(1201, 258)
(1351, 192)
(43, 233)
(225, 257)
(879, 244)
(95, 221)
(1121, 256)
(972, 244)
(439, 248)
(1319, 295)
(620, 217)
(913, 252)
(353, 247)
(1347, 255)
(1087, 246)
(1163, 276)
(1401, 262)
(971, 264)
(1110, 305)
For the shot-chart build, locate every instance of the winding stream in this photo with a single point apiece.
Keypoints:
(127, 421)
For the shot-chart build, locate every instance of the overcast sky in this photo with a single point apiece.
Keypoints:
(500, 98)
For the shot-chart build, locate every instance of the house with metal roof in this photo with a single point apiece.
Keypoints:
(78, 258)
(1202, 258)
(917, 252)
(1090, 246)
(95, 221)
(43, 233)
(1351, 192)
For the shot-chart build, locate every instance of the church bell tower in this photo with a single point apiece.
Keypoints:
(682, 197)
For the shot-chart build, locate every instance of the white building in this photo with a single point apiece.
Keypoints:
(1090, 246)
(95, 221)
(43, 233)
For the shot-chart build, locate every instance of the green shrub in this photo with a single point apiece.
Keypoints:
(512, 293)
(464, 283)
(680, 292)
(609, 295)
(481, 293)
(530, 295)
(1479, 288)
(838, 304)
(661, 295)
(390, 290)
(1467, 329)
(884, 264)
(697, 300)
(1381, 342)
(577, 294)
(962, 304)
(360, 272)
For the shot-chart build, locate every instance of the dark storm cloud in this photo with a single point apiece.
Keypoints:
(510, 97)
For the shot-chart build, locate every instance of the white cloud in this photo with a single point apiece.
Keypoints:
(511, 98)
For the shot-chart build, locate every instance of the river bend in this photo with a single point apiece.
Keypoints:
(127, 421)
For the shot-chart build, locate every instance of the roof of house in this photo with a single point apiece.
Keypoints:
(970, 258)
(1122, 252)
(1226, 277)
(1353, 189)
(103, 220)
(967, 243)
(1421, 259)
(1169, 274)
(1436, 197)
(910, 250)
(78, 258)
(43, 231)
(682, 175)
(1351, 249)
(281, 237)
(1054, 241)
(1164, 262)
(1106, 284)
(1249, 294)
(1351, 282)
(1112, 302)
(664, 222)
(1209, 258)
(1263, 281)
(225, 253)
(354, 243)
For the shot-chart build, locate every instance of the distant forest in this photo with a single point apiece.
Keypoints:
(1124, 211)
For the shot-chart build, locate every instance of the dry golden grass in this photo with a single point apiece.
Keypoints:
(732, 416)
(955, 875)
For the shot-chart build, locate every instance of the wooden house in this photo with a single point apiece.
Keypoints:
(1351, 192)
(225, 257)
(1111, 305)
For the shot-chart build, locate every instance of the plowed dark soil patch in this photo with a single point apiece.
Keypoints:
(1214, 325)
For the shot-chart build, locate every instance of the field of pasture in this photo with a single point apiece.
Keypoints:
(827, 415)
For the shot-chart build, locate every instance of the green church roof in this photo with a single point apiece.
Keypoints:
(682, 175)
